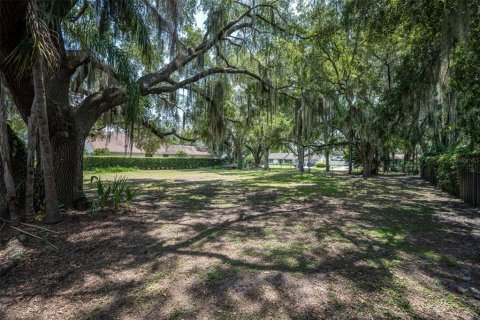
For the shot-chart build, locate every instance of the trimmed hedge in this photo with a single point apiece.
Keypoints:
(91, 162)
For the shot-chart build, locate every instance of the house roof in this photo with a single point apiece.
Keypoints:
(282, 156)
(118, 143)
(190, 150)
(291, 156)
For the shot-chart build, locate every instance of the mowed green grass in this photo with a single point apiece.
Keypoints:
(295, 185)
(388, 247)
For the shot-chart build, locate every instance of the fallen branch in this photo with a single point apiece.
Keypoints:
(28, 224)
(39, 227)
(35, 236)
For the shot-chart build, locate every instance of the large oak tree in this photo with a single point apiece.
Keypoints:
(91, 35)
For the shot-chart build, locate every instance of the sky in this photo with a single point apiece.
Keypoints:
(200, 18)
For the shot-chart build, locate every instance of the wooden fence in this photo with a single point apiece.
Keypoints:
(468, 171)
(469, 180)
(429, 173)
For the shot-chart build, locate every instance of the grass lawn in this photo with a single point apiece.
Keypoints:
(227, 244)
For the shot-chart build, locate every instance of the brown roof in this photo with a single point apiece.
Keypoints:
(190, 150)
(118, 144)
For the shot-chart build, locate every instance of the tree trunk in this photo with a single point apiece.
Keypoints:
(327, 160)
(238, 154)
(301, 159)
(256, 162)
(367, 167)
(266, 155)
(29, 181)
(68, 163)
(350, 158)
(52, 214)
(367, 160)
(257, 155)
(7, 165)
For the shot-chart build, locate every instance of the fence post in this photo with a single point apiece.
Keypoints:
(475, 174)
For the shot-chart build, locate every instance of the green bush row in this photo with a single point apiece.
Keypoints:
(445, 167)
(92, 163)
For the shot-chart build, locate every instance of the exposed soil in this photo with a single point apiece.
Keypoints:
(250, 245)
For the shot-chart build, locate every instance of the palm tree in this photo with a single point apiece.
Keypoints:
(29, 180)
(40, 120)
(40, 117)
(42, 48)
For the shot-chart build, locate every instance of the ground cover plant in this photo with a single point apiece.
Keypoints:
(227, 244)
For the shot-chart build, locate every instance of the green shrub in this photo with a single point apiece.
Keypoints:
(95, 163)
(249, 162)
(181, 154)
(111, 194)
(320, 164)
(101, 152)
(409, 168)
(444, 169)
(447, 173)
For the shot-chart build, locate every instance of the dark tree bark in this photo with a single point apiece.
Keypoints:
(19, 158)
(367, 154)
(29, 181)
(327, 160)
(256, 154)
(367, 168)
(7, 164)
(350, 158)
(39, 114)
(301, 158)
(238, 145)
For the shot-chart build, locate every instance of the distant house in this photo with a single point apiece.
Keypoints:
(118, 145)
(292, 159)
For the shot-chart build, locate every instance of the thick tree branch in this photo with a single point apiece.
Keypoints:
(77, 58)
(162, 134)
(81, 12)
(149, 80)
(96, 104)
(203, 74)
(93, 106)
